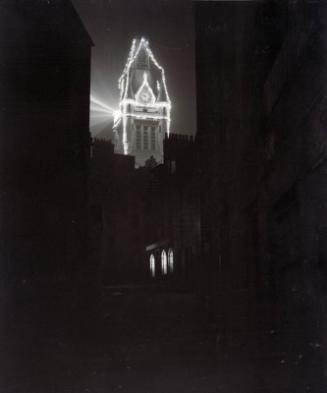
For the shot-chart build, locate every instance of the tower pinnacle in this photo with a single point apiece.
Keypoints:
(144, 109)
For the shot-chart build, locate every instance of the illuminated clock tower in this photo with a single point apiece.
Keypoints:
(143, 117)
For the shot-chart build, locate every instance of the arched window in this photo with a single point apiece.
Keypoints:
(145, 139)
(138, 140)
(152, 265)
(171, 260)
(164, 262)
(153, 138)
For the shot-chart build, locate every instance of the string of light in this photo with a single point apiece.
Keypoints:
(125, 101)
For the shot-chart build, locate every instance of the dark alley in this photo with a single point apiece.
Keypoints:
(163, 187)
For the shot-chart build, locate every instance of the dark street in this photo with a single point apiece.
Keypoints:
(158, 343)
(146, 340)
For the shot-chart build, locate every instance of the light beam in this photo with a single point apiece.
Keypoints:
(102, 105)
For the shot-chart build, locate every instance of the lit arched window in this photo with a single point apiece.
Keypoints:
(152, 265)
(164, 262)
(171, 260)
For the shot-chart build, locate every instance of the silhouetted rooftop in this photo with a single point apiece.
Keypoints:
(56, 16)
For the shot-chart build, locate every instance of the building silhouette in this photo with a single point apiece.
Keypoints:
(293, 190)
(145, 222)
(261, 99)
(173, 214)
(116, 215)
(45, 143)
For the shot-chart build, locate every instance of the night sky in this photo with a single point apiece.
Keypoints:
(168, 25)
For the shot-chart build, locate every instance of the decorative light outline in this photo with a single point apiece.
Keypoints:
(133, 56)
(145, 84)
(158, 104)
(146, 117)
(123, 84)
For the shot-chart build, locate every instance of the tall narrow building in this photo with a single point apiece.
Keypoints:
(143, 117)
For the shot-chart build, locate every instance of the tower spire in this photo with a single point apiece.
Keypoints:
(144, 108)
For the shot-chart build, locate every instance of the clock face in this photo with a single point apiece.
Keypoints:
(145, 96)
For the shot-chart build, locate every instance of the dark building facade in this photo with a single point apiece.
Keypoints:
(145, 222)
(172, 214)
(293, 191)
(44, 95)
(229, 115)
(116, 215)
(262, 157)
